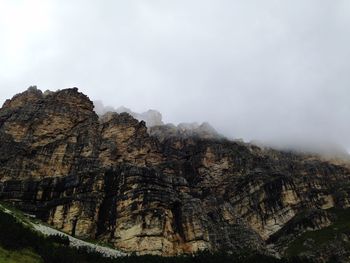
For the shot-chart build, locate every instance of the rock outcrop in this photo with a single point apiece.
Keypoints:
(150, 117)
(107, 178)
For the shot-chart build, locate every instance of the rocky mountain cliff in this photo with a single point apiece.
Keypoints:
(155, 192)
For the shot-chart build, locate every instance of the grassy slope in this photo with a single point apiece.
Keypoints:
(23, 256)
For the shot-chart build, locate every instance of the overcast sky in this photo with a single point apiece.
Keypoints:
(269, 70)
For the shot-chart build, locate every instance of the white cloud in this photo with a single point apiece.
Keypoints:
(267, 70)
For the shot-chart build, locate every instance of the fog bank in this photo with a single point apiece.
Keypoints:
(272, 71)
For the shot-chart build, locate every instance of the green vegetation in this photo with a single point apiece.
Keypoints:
(320, 237)
(16, 213)
(23, 256)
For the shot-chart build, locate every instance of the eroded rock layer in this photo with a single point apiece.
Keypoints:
(108, 179)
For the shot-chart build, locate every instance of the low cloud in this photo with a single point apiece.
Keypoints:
(272, 71)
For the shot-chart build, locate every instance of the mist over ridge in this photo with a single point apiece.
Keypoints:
(308, 145)
(156, 125)
(271, 71)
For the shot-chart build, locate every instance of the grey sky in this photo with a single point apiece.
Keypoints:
(270, 70)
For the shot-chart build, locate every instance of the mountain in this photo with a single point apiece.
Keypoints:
(164, 190)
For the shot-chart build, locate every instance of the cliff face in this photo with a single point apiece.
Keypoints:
(108, 179)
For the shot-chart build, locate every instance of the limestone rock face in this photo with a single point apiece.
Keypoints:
(107, 178)
(184, 130)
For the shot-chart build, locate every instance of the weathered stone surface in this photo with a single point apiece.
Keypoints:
(108, 178)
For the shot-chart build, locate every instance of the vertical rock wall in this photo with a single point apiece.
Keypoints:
(107, 178)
